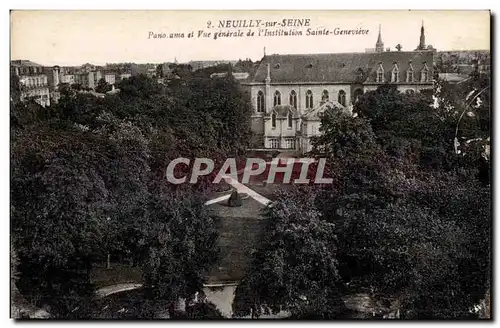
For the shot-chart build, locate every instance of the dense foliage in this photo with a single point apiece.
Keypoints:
(87, 180)
(407, 219)
(296, 269)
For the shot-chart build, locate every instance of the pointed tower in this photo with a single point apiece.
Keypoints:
(379, 46)
(421, 45)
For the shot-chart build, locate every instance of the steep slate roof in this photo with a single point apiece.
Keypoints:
(313, 114)
(340, 67)
(282, 111)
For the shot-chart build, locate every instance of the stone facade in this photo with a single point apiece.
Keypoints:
(33, 83)
(292, 85)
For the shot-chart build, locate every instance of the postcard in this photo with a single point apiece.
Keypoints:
(257, 164)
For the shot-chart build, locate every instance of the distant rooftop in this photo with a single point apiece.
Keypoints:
(237, 76)
(24, 63)
(453, 77)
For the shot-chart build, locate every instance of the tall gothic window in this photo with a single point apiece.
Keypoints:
(325, 96)
(260, 102)
(309, 99)
(380, 74)
(277, 98)
(273, 120)
(290, 120)
(409, 76)
(424, 75)
(293, 99)
(395, 74)
(341, 97)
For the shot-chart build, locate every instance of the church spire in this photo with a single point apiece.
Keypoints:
(421, 45)
(379, 46)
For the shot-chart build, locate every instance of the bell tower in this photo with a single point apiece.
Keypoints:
(379, 46)
(421, 45)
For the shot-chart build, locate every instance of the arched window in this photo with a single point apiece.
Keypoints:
(293, 99)
(277, 98)
(290, 120)
(309, 99)
(325, 96)
(260, 102)
(273, 120)
(342, 97)
(357, 93)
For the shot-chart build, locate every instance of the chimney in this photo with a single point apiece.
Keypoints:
(268, 78)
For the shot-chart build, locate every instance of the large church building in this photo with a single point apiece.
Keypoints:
(288, 92)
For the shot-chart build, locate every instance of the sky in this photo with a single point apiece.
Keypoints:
(69, 38)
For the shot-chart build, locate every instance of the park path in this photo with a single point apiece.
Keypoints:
(109, 290)
(242, 189)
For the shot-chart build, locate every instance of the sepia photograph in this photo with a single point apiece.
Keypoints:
(250, 164)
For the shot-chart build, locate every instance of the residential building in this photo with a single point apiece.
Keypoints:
(124, 76)
(200, 64)
(33, 83)
(289, 91)
(88, 79)
(237, 76)
(67, 78)
(110, 78)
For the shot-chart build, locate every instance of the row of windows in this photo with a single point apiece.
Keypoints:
(29, 70)
(261, 103)
(288, 144)
(36, 81)
(410, 77)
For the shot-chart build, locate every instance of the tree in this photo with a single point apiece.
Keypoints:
(342, 136)
(203, 311)
(182, 245)
(77, 86)
(102, 86)
(159, 71)
(57, 194)
(395, 215)
(296, 269)
(87, 180)
(15, 88)
(72, 188)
